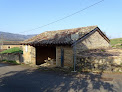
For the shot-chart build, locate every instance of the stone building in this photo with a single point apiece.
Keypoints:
(61, 46)
(9, 44)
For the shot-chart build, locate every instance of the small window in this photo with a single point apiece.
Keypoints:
(9, 47)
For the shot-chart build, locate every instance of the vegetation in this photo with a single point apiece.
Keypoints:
(12, 62)
(116, 42)
(12, 50)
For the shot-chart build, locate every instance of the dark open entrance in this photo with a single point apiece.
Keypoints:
(45, 52)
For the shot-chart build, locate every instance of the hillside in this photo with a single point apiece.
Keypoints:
(13, 37)
(116, 42)
(18, 37)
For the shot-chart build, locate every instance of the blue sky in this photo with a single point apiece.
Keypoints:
(17, 16)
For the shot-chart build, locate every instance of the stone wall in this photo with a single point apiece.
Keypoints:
(94, 41)
(112, 63)
(68, 56)
(29, 54)
(10, 46)
(12, 57)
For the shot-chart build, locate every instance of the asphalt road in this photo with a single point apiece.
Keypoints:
(20, 78)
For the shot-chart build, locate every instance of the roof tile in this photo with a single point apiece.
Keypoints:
(59, 36)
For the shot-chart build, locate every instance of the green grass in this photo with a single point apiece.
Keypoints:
(8, 61)
(116, 42)
(12, 50)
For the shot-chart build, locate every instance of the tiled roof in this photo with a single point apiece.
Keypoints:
(10, 42)
(59, 36)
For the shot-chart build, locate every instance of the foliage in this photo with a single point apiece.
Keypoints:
(12, 50)
(102, 50)
(8, 61)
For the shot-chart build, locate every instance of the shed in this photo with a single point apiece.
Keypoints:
(9, 44)
(61, 45)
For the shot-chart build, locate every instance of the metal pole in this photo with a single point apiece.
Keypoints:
(1, 41)
(74, 57)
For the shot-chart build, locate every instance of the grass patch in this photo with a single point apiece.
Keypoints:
(12, 50)
(116, 42)
(8, 61)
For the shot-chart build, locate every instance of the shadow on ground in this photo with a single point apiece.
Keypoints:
(31, 80)
(4, 64)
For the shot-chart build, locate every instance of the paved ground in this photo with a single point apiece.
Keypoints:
(20, 78)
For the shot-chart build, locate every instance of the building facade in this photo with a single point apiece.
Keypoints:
(63, 45)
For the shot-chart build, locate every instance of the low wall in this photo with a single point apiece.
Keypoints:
(12, 57)
(112, 63)
(10, 46)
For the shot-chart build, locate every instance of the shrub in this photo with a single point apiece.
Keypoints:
(13, 62)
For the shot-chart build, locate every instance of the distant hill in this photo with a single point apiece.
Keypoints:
(116, 42)
(14, 37)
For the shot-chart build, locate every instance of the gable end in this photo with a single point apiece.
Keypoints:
(90, 33)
